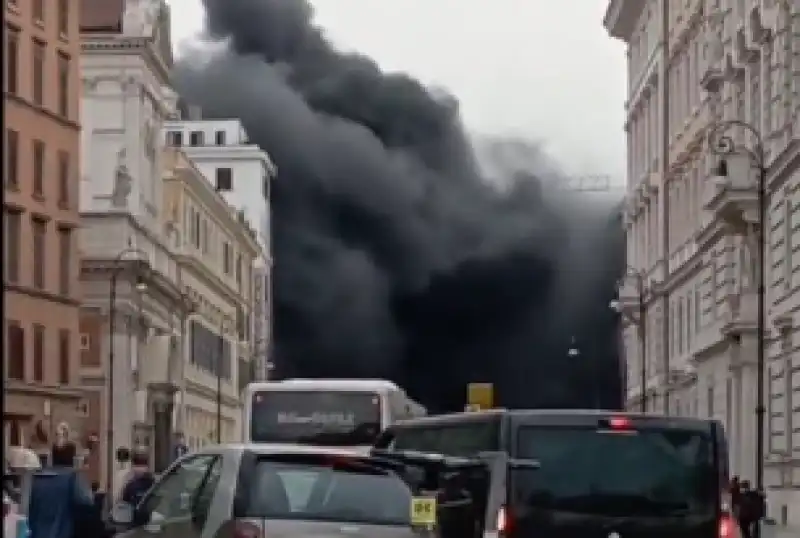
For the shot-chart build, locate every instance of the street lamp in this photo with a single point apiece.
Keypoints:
(220, 353)
(574, 352)
(140, 285)
(723, 145)
(640, 320)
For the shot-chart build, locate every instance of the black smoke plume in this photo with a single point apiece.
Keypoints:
(394, 256)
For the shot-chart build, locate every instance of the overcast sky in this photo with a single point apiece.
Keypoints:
(540, 69)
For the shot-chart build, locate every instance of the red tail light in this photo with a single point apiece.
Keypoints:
(727, 526)
(619, 423)
(243, 529)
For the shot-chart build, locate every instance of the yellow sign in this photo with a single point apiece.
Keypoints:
(480, 395)
(423, 511)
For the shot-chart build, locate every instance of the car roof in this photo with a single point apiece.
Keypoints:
(553, 416)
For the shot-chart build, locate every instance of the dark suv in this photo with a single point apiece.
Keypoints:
(598, 474)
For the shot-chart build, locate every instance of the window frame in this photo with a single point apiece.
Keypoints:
(14, 350)
(64, 165)
(12, 248)
(38, 60)
(65, 239)
(223, 179)
(64, 68)
(12, 57)
(39, 252)
(196, 138)
(64, 359)
(166, 480)
(39, 163)
(39, 351)
(63, 17)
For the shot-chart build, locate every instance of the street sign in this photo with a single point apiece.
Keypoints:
(480, 395)
(423, 511)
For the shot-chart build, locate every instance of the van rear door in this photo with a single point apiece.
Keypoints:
(614, 476)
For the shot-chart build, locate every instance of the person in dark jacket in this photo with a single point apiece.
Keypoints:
(140, 480)
(736, 495)
(61, 505)
(752, 509)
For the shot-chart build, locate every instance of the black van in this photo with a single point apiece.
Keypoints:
(599, 474)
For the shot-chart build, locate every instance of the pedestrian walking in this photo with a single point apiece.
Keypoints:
(61, 505)
(753, 508)
(140, 480)
(736, 496)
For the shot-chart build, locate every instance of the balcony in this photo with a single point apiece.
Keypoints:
(628, 299)
(621, 18)
(733, 197)
(741, 314)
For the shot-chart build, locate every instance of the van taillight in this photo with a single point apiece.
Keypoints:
(245, 529)
(503, 522)
(727, 526)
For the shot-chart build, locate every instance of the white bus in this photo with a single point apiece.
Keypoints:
(324, 412)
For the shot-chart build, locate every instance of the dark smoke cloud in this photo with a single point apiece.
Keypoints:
(394, 256)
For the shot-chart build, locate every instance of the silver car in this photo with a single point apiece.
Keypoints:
(260, 491)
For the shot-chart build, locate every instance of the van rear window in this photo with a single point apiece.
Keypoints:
(650, 471)
(452, 439)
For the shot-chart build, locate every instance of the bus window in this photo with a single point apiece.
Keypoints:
(333, 418)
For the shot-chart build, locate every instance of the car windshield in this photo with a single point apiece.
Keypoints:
(653, 471)
(330, 418)
(320, 491)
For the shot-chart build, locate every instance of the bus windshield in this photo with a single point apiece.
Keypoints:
(650, 471)
(315, 417)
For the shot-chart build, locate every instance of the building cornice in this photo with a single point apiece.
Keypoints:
(621, 17)
(200, 271)
(122, 45)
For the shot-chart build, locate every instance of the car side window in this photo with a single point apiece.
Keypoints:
(205, 495)
(172, 496)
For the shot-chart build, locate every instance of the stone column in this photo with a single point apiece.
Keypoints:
(743, 365)
(161, 397)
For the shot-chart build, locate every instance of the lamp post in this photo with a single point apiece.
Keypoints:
(575, 352)
(640, 320)
(723, 145)
(220, 353)
(140, 286)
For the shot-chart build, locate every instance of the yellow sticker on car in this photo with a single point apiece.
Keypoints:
(423, 511)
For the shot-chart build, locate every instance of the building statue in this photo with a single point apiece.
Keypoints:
(715, 38)
(750, 266)
(122, 181)
(140, 17)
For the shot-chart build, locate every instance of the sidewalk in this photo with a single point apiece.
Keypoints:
(778, 531)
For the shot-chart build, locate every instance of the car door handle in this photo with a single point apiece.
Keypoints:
(154, 528)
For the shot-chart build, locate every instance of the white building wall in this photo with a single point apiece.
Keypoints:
(124, 107)
(252, 173)
(125, 100)
(251, 167)
(720, 66)
(644, 207)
